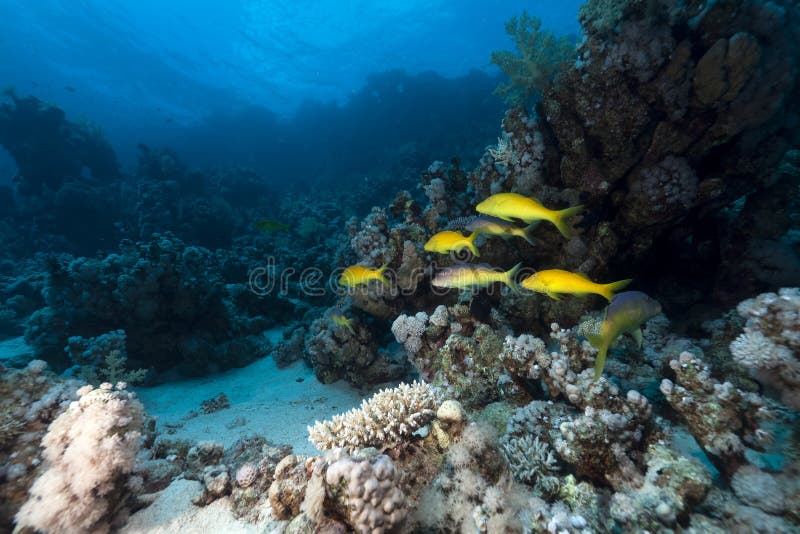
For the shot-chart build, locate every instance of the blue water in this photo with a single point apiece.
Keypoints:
(251, 216)
(143, 70)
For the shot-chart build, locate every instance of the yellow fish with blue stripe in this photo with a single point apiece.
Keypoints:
(355, 275)
(626, 314)
(551, 282)
(448, 241)
(513, 206)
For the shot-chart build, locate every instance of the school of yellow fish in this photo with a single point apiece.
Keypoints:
(500, 213)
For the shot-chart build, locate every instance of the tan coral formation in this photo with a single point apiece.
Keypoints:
(386, 418)
(90, 452)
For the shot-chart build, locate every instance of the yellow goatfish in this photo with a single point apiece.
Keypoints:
(554, 281)
(470, 276)
(341, 319)
(356, 275)
(447, 241)
(512, 206)
(488, 225)
(626, 314)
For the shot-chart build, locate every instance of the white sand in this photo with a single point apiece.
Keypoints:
(268, 400)
(174, 512)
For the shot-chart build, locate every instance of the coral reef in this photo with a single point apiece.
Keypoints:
(30, 399)
(350, 352)
(48, 149)
(672, 112)
(673, 123)
(770, 344)
(664, 496)
(473, 492)
(721, 417)
(89, 453)
(169, 298)
(102, 358)
(288, 490)
(386, 418)
(455, 352)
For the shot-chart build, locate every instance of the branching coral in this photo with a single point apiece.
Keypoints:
(89, 452)
(385, 419)
(529, 458)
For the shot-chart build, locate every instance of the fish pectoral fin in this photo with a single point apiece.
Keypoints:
(637, 335)
(552, 295)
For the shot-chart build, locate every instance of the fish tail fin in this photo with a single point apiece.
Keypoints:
(597, 341)
(471, 244)
(510, 278)
(381, 276)
(562, 218)
(527, 232)
(609, 290)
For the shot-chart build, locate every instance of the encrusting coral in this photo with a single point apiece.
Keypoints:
(384, 419)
